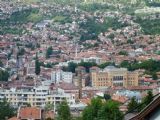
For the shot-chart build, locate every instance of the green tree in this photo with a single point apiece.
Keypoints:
(49, 106)
(4, 75)
(110, 111)
(154, 76)
(64, 111)
(123, 52)
(87, 65)
(103, 65)
(91, 111)
(37, 66)
(88, 113)
(111, 36)
(21, 51)
(97, 110)
(107, 96)
(6, 110)
(38, 45)
(76, 118)
(96, 104)
(1, 64)
(10, 54)
(49, 52)
(151, 66)
(124, 64)
(93, 28)
(71, 67)
(48, 65)
(132, 104)
(129, 41)
(148, 98)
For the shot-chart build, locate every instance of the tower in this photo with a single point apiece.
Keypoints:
(76, 50)
(80, 71)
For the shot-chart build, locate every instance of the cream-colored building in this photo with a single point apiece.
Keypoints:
(111, 76)
(37, 96)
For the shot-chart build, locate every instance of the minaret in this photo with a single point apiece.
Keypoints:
(76, 50)
(7, 63)
(76, 40)
(75, 8)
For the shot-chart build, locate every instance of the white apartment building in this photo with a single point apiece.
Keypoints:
(67, 77)
(56, 76)
(31, 68)
(59, 75)
(96, 60)
(36, 96)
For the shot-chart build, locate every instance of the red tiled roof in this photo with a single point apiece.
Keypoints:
(67, 86)
(13, 118)
(86, 100)
(94, 67)
(29, 112)
(148, 80)
(121, 99)
(140, 88)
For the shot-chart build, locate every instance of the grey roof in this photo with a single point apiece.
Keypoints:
(129, 94)
(110, 67)
(113, 68)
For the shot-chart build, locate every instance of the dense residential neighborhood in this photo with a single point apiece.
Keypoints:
(87, 57)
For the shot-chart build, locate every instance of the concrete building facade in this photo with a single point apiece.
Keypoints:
(59, 76)
(36, 96)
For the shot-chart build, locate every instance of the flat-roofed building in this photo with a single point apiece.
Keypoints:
(37, 96)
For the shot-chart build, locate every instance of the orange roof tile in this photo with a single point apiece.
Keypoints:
(86, 100)
(148, 80)
(30, 112)
(121, 99)
(13, 118)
